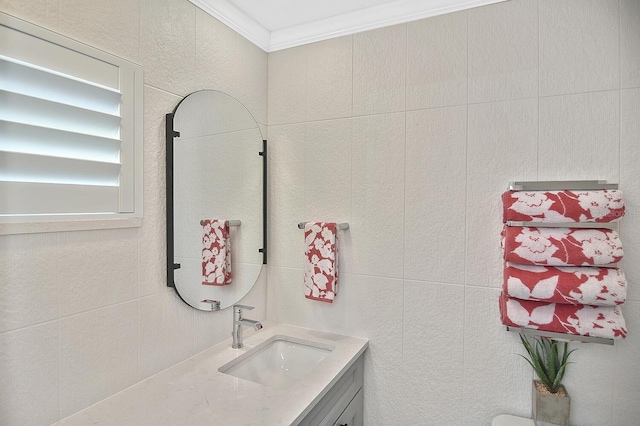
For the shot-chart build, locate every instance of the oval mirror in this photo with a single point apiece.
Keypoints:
(216, 200)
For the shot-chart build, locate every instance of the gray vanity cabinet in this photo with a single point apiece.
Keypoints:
(343, 404)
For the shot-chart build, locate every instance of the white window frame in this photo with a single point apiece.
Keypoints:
(129, 79)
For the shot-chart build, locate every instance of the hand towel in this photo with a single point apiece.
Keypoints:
(561, 246)
(216, 253)
(563, 206)
(321, 261)
(577, 285)
(581, 320)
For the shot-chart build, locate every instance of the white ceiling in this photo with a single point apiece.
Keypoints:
(279, 24)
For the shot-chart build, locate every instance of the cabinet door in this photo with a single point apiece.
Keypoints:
(352, 415)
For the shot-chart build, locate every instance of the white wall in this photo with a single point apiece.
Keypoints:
(410, 134)
(84, 315)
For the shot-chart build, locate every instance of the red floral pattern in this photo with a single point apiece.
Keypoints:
(563, 206)
(216, 253)
(561, 246)
(321, 266)
(583, 320)
(585, 285)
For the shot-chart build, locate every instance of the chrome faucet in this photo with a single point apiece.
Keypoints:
(238, 322)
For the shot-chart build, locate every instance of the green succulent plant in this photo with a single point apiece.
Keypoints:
(547, 359)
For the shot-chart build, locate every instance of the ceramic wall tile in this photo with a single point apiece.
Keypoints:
(378, 194)
(503, 147)
(503, 67)
(333, 317)
(629, 43)
(166, 333)
(428, 346)
(376, 310)
(112, 26)
(44, 13)
(168, 44)
(379, 70)
(330, 79)
(328, 174)
(496, 379)
(109, 276)
(591, 376)
(437, 61)
(286, 295)
(287, 86)
(629, 178)
(98, 355)
(226, 61)
(626, 391)
(434, 233)
(30, 393)
(286, 192)
(30, 290)
(582, 131)
(579, 46)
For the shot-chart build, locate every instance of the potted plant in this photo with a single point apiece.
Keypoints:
(549, 359)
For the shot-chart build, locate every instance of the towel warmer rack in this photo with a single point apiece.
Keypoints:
(341, 226)
(549, 185)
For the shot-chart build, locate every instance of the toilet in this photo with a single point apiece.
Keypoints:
(509, 420)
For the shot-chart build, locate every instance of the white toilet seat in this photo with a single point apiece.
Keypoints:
(509, 420)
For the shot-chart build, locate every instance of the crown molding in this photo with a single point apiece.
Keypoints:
(237, 20)
(391, 13)
(383, 15)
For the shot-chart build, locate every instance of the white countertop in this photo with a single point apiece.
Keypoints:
(194, 392)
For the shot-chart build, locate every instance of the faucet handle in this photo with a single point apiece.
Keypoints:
(241, 307)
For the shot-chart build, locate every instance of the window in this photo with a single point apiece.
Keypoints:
(70, 130)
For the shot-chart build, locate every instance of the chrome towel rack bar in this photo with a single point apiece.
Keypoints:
(227, 222)
(341, 226)
(559, 185)
(561, 336)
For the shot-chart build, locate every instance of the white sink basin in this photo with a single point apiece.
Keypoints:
(278, 362)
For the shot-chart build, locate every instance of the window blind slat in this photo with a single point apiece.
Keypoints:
(17, 137)
(26, 80)
(56, 199)
(28, 110)
(19, 167)
(35, 50)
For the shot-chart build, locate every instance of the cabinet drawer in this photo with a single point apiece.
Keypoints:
(331, 406)
(353, 414)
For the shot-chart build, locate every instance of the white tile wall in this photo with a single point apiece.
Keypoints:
(518, 90)
(500, 67)
(629, 43)
(437, 61)
(85, 314)
(379, 59)
(579, 42)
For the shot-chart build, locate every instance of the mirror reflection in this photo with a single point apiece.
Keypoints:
(218, 195)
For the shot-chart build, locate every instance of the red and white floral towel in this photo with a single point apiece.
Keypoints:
(583, 320)
(563, 206)
(216, 253)
(561, 246)
(586, 285)
(321, 261)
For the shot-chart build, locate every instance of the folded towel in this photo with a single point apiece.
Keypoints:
(321, 266)
(563, 206)
(561, 246)
(581, 320)
(216, 253)
(578, 285)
